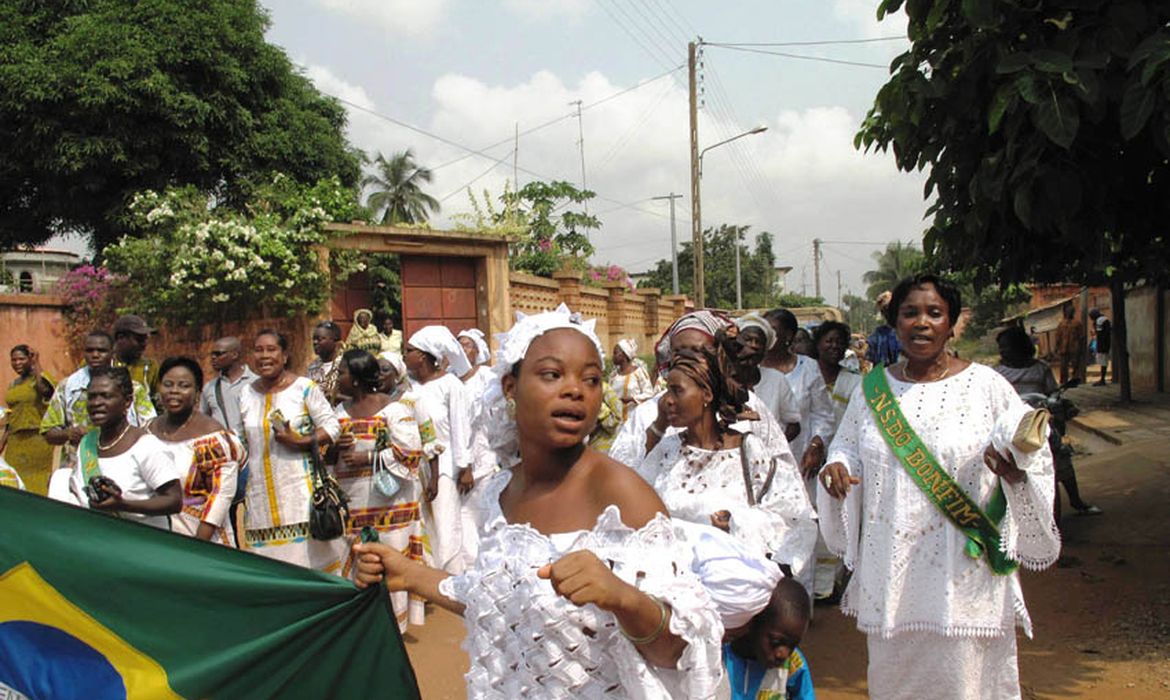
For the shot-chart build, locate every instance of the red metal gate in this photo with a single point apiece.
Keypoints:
(438, 291)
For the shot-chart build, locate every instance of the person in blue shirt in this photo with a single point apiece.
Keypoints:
(762, 659)
(884, 348)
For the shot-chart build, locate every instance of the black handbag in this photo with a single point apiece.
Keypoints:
(330, 507)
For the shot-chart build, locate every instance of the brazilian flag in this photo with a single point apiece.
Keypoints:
(95, 607)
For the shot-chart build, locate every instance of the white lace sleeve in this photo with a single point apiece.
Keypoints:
(840, 519)
(1028, 532)
(783, 523)
(458, 588)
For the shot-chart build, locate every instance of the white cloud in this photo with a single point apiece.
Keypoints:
(547, 9)
(810, 182)
(863, 14)
(403, 17)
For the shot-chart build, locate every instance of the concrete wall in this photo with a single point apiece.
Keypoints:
(35, 320)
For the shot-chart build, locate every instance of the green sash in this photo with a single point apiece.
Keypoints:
(87, 456)
(981, 528)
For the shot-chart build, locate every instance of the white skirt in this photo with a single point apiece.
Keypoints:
(915, 665)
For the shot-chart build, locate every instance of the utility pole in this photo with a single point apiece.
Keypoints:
(738, 280)
(817, 265)
(516, 159)
(696, 210)
(581, 144)
(673, 243)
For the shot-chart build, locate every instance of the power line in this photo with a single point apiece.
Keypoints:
(821, 42)
(802, 57)
(475, 179)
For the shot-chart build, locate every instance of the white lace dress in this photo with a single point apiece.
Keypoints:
(925, 605)
(525, 641)
(694, 483)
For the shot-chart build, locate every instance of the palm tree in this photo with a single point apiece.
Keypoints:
(397, 193)
(895, 263)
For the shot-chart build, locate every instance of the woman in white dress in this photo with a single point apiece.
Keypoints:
(281, 413)
(580, 590)
(939, 605)
(812, 401)
(483, 459)
(629, 380)
(206, 453)
(699, 472)
(120, 468)
(376, 461)
(444, 398)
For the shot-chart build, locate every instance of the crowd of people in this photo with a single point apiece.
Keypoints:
(603, 530)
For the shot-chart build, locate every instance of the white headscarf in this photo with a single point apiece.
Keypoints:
(438, 342)
(629, 348)
(396, 360)
(756, 320)
(513, 347)
(482, 354)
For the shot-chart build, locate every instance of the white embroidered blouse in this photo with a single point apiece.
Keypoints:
(525, 641)
(694, 483)
(911, 571)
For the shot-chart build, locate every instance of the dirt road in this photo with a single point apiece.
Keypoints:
(1102, 617)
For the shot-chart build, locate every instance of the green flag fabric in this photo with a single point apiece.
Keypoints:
(96, 607)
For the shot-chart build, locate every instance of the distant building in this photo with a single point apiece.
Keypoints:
(782, 278)
(34, 271)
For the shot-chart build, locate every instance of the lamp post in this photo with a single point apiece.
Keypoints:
(673, 243)
(696, 176)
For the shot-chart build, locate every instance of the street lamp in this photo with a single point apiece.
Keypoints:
(697, 224)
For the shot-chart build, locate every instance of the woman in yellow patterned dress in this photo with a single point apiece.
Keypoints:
(27, 398)
(376, 461)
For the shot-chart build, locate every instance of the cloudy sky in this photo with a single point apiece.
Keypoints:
(447, 77)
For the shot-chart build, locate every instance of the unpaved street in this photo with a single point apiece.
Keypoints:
(1102, 617)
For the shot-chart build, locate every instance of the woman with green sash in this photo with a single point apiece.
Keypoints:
(933, 509)
(122, 469)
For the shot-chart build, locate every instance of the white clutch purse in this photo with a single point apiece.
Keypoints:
(1032, 432)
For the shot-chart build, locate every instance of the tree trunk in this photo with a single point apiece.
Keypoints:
(1120, 340)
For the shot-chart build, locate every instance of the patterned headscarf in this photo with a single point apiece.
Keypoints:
(439, 343)
(719, 373)
(707, 321)
(482, 354)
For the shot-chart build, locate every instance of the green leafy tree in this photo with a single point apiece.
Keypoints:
(757, 269)
(898, 261)
(553, 235)
(860, 313)
(105, 98)
(1045, 128)
(397, 190)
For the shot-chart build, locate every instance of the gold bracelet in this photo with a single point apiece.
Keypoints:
(653, 636)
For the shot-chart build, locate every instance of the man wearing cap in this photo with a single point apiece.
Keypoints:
(130, 337)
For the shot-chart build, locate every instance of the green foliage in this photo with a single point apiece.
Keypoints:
(860, 313)
(105, 98)
(385, 274)
(792, 300)
(190, 261)
(398, 191)
(757, 269)
(897, 262)
(1045, 128)
(992, 304)
(553, 237)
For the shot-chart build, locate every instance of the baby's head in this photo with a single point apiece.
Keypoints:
(777, 629)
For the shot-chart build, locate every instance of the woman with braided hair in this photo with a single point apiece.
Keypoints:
(717, 471)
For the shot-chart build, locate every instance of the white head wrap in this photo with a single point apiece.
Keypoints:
(438, 342)
(740, 582)
(756, 320)
(482, 354)
(513, 347)
(396, 360)
(629, 348)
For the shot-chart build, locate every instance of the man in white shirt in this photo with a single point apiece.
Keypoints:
(221, 395)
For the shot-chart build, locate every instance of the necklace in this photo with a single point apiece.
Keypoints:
(907, 378)
(169, 433)
(698, 464)
(110, 445)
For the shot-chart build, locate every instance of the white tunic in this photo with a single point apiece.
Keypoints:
(139, 471)
(776, 393)
(445, 400)
(526, 641)
(813, 404)
(911, 572)
(694, 483)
